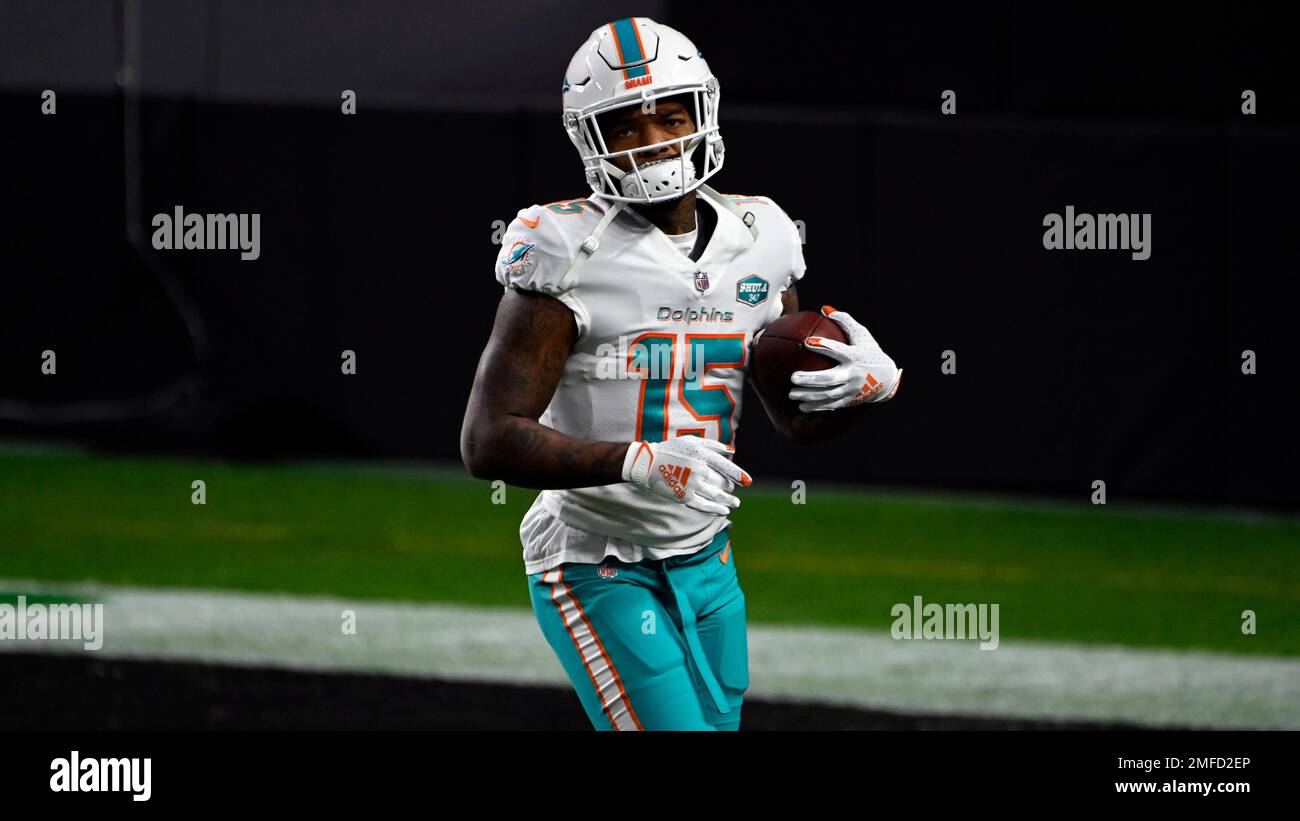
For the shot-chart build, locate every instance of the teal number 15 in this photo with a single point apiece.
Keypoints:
(654, 356)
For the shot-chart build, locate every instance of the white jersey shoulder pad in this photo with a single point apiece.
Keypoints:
(539, 245)
(774, 225)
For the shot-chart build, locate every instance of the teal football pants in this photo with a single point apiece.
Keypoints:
(656, 645)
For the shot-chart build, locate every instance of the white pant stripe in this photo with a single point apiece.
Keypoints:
(612, 697)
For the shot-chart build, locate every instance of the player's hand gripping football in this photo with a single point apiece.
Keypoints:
(691, 470)
(865, 373)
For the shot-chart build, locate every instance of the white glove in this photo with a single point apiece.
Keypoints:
(691, 470)
(865, 373)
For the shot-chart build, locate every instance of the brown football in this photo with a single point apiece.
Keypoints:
(779, 352)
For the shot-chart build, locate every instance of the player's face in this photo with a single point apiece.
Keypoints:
(632, 127)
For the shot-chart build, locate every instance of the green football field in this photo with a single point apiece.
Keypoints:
(1084, 574)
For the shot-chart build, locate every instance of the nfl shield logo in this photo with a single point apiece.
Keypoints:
(701, 281)
(606, 572)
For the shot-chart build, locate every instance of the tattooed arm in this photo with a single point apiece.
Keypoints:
(517, 376)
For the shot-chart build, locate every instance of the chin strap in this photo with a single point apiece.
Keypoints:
(589, 246)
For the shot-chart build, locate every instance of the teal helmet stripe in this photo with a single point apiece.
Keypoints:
(629, 46)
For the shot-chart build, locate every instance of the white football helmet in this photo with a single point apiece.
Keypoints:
(635, 61)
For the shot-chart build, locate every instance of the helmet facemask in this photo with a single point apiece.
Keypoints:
(699, 154)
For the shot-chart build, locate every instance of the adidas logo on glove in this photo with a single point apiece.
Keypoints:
(676, 478)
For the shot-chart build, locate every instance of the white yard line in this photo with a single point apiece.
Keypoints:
(1034, 680)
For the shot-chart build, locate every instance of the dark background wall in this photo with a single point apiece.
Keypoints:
(377, 228)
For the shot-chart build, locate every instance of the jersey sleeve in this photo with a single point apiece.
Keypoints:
(797, 266)
(534, 257)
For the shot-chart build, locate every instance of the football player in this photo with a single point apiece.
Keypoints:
(613, 380)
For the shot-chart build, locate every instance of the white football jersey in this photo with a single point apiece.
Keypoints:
(662, 350)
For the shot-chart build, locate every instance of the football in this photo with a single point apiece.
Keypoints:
(779, 351)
